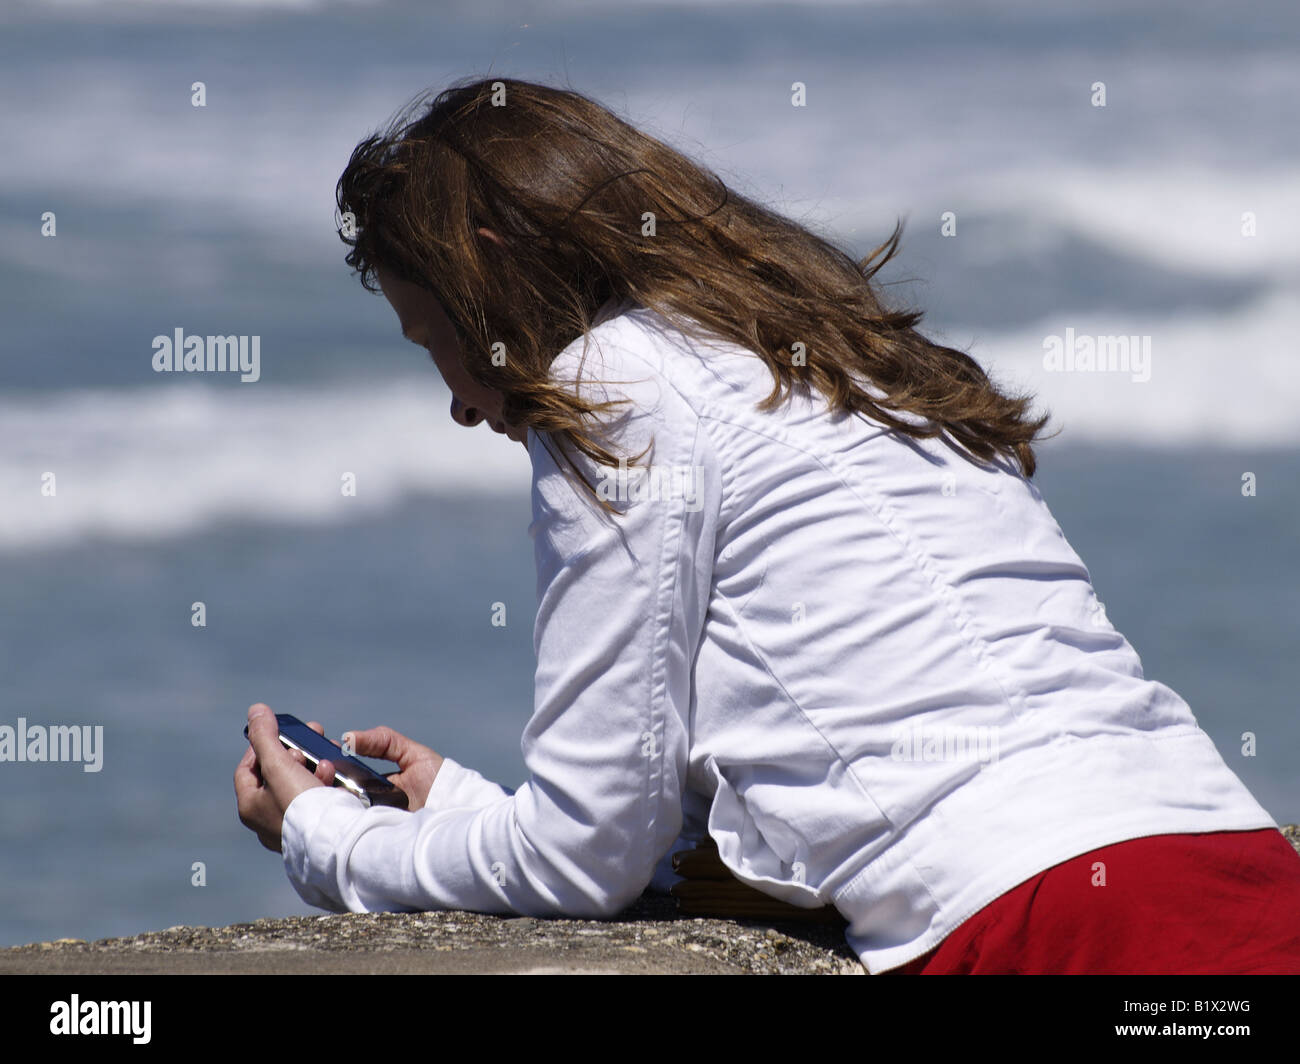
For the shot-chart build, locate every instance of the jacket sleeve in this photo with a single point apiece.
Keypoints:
(621, 607)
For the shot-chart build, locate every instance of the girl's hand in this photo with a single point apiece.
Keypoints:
(417, 764)
(269, 777)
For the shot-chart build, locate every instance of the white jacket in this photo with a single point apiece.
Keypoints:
(871, 669)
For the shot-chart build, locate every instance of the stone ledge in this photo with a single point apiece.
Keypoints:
(648, 938)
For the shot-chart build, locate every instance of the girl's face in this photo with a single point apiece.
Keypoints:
(424, 322)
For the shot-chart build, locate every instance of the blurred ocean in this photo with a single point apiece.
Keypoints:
(176, 488)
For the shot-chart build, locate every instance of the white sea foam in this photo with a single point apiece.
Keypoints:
(172, 459)
(178, 458)
(1184, 219)
(252, 160)
(1225, 380)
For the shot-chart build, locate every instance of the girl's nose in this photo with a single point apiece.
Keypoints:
(465, 415)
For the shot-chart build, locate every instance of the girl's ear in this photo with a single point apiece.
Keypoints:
(485, 231)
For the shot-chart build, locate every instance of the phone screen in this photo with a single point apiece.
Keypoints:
(353, 773)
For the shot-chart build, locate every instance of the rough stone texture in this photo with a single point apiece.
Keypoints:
(647, 938)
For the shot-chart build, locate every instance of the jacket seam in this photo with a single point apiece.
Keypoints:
(668, 595)
(1013, 695)
(920, 561)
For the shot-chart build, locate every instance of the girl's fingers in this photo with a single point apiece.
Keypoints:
(278, 768)
(383, 742)
(252, 801)
(246, 780)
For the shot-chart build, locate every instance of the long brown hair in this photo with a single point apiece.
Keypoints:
(570, 188)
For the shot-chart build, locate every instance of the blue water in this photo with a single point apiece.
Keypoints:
(378, 609)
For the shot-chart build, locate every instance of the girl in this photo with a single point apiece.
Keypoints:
(796, 592)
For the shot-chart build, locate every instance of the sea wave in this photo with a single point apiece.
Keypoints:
(167, 460)
(1214, 380)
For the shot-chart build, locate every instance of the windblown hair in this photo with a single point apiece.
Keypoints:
(567, 185)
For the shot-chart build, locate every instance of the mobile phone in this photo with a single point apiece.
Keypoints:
(350, 772)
